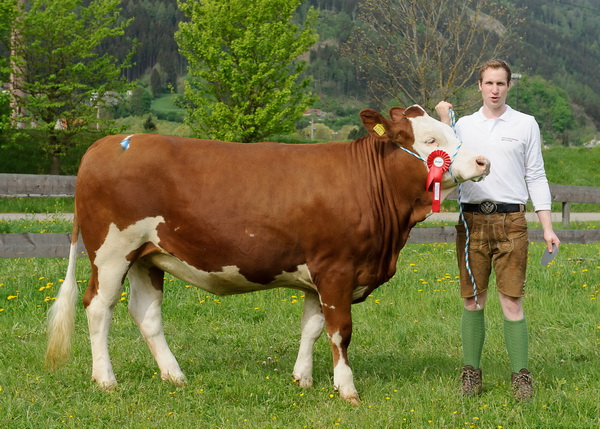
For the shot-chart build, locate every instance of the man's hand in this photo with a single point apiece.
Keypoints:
(442, 109)
(550, 237)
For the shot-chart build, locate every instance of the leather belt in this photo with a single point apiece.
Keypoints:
(489, 207)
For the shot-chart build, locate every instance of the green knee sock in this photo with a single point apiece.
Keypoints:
(517, 343)
(473, 336)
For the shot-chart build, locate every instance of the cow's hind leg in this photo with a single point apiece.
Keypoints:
(312, 326)
(145, 303)
(102, 294)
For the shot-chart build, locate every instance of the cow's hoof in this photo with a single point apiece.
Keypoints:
(349, 395)
(107, 386)
(178, 380)
(353, 400)
(304, 382)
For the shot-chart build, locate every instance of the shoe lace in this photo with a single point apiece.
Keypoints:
(523, 380)
(469, 377)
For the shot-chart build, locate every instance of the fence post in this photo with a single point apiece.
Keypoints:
(566, 213)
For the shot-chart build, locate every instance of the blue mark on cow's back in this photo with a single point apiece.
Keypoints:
(125, 143)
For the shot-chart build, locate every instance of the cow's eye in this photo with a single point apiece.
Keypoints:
(430, 141)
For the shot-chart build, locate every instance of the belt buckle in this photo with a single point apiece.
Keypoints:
(488, 207)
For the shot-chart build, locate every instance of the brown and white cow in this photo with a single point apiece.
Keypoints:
(327, 219)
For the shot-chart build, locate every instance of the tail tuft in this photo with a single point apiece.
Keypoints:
(61, 317)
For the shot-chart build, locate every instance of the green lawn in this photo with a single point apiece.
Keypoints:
(238, 353)
(37, 205)
(166, 103)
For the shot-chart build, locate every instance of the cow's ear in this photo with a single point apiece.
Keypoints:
(375, 123)
(397, 113)
(414, 111)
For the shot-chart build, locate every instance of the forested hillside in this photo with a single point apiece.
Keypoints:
(154, 26)
(560, 41)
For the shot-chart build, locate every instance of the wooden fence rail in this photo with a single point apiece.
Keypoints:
(57, 245)
(34, 185)
(566, 195)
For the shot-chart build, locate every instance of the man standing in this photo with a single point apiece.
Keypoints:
(494, 211)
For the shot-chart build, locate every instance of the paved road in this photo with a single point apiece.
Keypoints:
(434, 217)
(36, 216)
(531, 217)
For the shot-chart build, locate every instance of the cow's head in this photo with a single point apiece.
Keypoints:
(416, 131)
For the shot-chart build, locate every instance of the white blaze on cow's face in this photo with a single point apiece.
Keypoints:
(431, 134)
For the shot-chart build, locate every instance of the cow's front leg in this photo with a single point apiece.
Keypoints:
(312, 326)
(336, 303)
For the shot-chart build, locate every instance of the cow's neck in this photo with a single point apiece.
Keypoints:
(397, 182)
(406, 178)
(397, 194)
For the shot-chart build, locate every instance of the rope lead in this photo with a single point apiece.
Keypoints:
(464, 221)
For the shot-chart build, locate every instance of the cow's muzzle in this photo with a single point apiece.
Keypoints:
(482, 164)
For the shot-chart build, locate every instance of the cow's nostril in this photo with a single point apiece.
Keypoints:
(483, 163)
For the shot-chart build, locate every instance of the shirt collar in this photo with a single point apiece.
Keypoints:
(505, 116)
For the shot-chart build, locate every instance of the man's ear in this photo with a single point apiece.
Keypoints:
(375, 123)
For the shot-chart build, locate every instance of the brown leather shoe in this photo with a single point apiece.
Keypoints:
(471, 381)
(522, 384)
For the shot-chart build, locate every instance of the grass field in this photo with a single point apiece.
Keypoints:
(135, 124)
(166, 103)
(238, 353)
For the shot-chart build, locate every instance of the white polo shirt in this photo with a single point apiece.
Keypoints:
(513, 145)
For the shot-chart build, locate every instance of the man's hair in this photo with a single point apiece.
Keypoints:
(495, 64)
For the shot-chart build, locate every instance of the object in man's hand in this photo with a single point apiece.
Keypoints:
(549, 256)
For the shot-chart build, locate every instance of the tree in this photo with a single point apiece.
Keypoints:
(149, 124)
(7, 16)
(140, 101)
(244, 78)
(419, 52)
(156, 83)
(548, 103)
(62, 82)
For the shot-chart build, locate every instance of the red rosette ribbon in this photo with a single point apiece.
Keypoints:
(438, 163)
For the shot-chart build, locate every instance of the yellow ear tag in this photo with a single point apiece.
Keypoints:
(379, 129)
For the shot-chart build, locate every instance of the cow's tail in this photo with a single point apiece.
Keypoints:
(61, 316)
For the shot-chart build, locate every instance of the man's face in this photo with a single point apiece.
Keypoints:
(494, 88)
